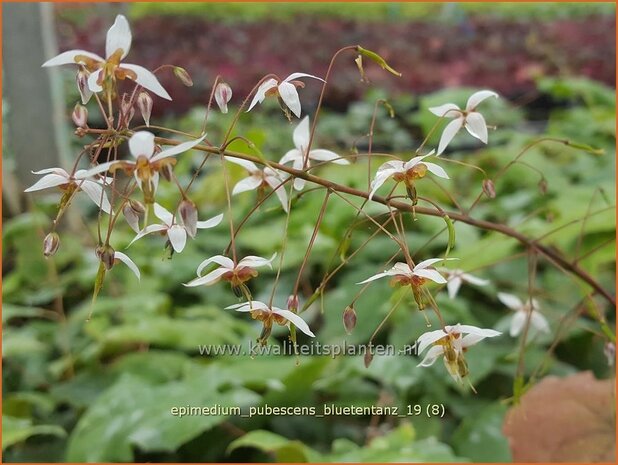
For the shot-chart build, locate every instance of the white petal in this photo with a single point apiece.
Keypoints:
(517, 323)
(436, 169)
(289, 95)
(69, 57)
(208, 279)
(510, 301)
(453, 286)
(469, 329)
(118, 37)
(163, 214)
(290, 156)
(211, 223)
(47, 181)
(98, 169)
(538, 321)
(294, 76)
(147, 80)
(431, 274)
(400, 268)
(142, 143)
(299, 184)
(374, 277)
(426, 263)
(93, 79)
(96, 193)
(476, 126)
(413, 162)
(254, 261)
(478, 97)
(380, 179)
(432, 355)
(301, 135)
(294, 319)
(225, 262)
(127, 261)
(276, 184)
(58, 171)
(249, 306)
(449, 132)
(175, 150)
(470, 339)
(474, 280)
(247, 184)
(448, 110)
(178, 237)
(148, 230)
(428, 338)
(246, 164)
(327, 155)
(260, 93)
(392, 166)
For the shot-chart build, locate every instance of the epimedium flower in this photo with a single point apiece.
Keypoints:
(472, 120)
(451, 343)
(523, 311)
(269, 315)
(415, 276)
(285, 90)
(406, 172)
(176, 231)
(298, 154)
(235, 273)
(260, 179)
(455, 278)
(106, 71)
(147, 164)
(69, 183)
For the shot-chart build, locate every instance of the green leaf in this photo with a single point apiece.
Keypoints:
(15, 430)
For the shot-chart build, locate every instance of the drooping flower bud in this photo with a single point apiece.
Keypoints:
(133, 211)
(51, 244)
(368, 358)
(80, 116)
(188, 214)
(489, 189)
(184, 77)
(361, 69)
(127, 109)
(106, 255)
(543, 186)
(293, 303)
(223, 94)
(144, 103)
(349, 319)
(82, 86)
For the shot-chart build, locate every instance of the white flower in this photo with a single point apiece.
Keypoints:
(176, 232)
(262, 312)
(451, 343)
(147, 164)
(111, 68)
(285, 89)
(469, 118)
(416, 275)
(237, 274)
(407, 171)
(57, 177)
(260, 178)
(297, 155)
(457, 277)
(523, 311)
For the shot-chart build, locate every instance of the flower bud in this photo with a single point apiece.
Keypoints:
(82, 86)
(223, 94)
(188, 214)
(293, 303)
(106, 255)
(144, 103)
(489, 189)
(349, 319)
(543, 186)
(80, 116)
(51, 244)
(132, 211)
(368, 358)
(184, 77)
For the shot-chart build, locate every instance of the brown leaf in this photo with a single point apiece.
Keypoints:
(564, 420)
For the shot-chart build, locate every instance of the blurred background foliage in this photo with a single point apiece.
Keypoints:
(101, 390)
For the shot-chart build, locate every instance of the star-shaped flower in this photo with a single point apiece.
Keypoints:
(523, 311)
(298, 154)
(104, 71)
(235, 273)
(259, 179)
(407, 172)
(176, 232)
(285, 89)
(469, 118)
(415, 276)
(455, 278)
